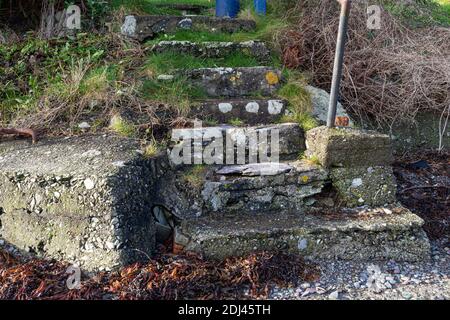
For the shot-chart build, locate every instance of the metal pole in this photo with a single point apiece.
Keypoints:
(338, 62)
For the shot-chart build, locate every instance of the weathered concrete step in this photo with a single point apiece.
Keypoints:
(80, 199)
(257, 49)
(249, 111)
(235, 82)
(146, 27)
(286, 138)
(370, 236)
(241, 190)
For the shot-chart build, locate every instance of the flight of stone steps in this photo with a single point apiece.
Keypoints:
(100, 202)
(236, 209)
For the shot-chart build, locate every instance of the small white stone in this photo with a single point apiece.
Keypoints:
(305, 285)
(165, 77)
(119, 164)
(334, 295)
(89, 184)
(252, 107)
(360, 200)
(302, 244)
(129, 26)
(84, 126)
(225, 107)
(357, 183)
(275, 106)
(109, 245)
(57, 194)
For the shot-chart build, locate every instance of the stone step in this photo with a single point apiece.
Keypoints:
(249, 111)
(84, 200)
(288, 138)
(143, 28)
(360, 237)
(240, 190)
(235, 82)
(257, 49)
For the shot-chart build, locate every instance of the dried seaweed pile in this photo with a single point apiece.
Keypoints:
(424, 187)
(167, 277)
(390, 74)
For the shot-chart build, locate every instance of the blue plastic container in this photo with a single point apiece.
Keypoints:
(227, 8)
(260, 6)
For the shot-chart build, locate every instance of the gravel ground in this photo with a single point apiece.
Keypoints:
(384, 280)
(343, 280)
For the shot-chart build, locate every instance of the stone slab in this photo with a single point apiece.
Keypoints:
(235, 82)
(256, 169)
(320, 100)
(256, 49)
(348, 147)
(367, 238)
(85, 200)
(249, 111)
(290, 142)
(142, 28)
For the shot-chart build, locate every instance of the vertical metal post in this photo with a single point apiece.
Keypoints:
(338, 62)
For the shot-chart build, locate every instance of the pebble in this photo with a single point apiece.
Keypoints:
(84, 126)
(305, 285)
(89, 184)
(407, 295)
(334, 295)
(2, 242)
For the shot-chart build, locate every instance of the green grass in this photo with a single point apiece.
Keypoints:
(122, 127)
(65, 68)
(299, 100)
(444, 15)
(151, 6)
(236, 122)
(267, 27)
(163, 63)
(179, 93)
(423, 13)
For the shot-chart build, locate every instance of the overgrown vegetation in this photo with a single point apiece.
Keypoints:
(390, 74)
(53, 85)
(393, 73)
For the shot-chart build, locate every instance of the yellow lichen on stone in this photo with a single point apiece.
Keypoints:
(305, 179)
(272, 78)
